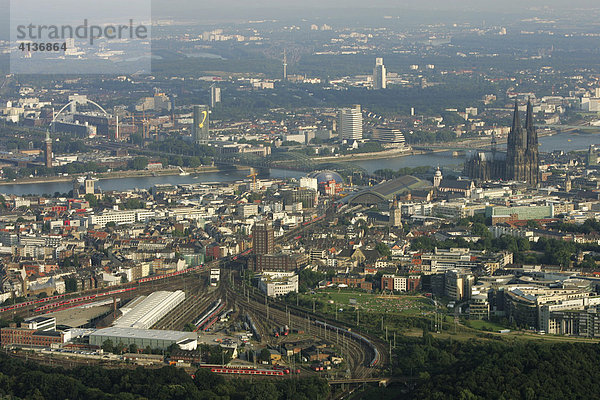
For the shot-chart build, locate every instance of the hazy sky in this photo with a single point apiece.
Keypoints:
(480, 5)
(207, 12)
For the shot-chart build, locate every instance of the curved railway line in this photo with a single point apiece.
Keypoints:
(381, 346)
(357, 354)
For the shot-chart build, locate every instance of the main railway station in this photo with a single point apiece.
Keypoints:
(262, 339)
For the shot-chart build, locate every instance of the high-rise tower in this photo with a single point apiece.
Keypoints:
(201, 124)
(284, 66)
(215, 95)
(379, 75)
(263, 238)
(350, 123)
(48, 150)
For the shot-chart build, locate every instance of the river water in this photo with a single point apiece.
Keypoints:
(564, 141)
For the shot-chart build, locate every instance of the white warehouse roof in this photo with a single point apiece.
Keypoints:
(150, 310)
(145, 334)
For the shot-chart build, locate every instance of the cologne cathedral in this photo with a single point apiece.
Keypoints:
(521, 161)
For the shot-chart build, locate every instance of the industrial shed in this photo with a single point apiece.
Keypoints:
(142, 338)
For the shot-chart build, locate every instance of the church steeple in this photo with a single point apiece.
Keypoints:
(532, 153)
(529, 116)
(516, 130)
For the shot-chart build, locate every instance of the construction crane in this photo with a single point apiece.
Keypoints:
(253, 175)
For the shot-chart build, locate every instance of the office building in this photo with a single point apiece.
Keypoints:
(379, 77)
(479, 307)
(263, 238)
(458, 284)
(400, 283)
(30, 337)
(350, 123)
(278, 283)
(215, 96)
(40, 323)
(388, 135)
(201, 124)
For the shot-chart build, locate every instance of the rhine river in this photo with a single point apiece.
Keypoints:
(563, 141)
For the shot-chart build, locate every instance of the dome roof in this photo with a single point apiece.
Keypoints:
(326, 176)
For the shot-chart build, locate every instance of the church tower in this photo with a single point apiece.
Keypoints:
(532, 153)
(396, 214)
(515, 150)
(437, 177)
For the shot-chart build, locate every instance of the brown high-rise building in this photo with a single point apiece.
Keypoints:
(263, 238)
(48, 150)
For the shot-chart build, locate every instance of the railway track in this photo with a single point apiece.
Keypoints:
(187, 311)
(356, 354)
(170, 283)
(381, 346)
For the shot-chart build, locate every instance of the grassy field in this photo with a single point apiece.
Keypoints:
(484, 325)
(407, 305)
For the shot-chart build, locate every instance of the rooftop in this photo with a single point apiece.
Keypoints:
(150, 334)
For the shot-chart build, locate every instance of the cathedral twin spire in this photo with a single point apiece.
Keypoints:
(521, 160)
(522, 154)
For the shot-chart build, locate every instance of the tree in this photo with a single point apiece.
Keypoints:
(206, 380)
(264, 355)
(120, 347)
(9, 173)
(189, 327)
(70, 285)
(133, 348)
(90, 198)
(138, 163)
(383, 249)
(481, 230)
(107, 346)
(262, 390)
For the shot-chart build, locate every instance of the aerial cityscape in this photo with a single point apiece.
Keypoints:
(393, 201)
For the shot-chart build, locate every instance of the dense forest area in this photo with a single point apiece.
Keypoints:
(493, 369)
(19, 380)
(496, 370)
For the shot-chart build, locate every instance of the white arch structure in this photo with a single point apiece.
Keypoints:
(75, 102)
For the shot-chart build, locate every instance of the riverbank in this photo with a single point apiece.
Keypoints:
(471, 143)
(371, 156)
(118, 175)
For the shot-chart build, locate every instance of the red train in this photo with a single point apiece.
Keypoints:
(313, 220)
(210, 318)
(245, 253)
(157, 277)
(83, 298)
(239, 371)
(242, 370)
(91, 296)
